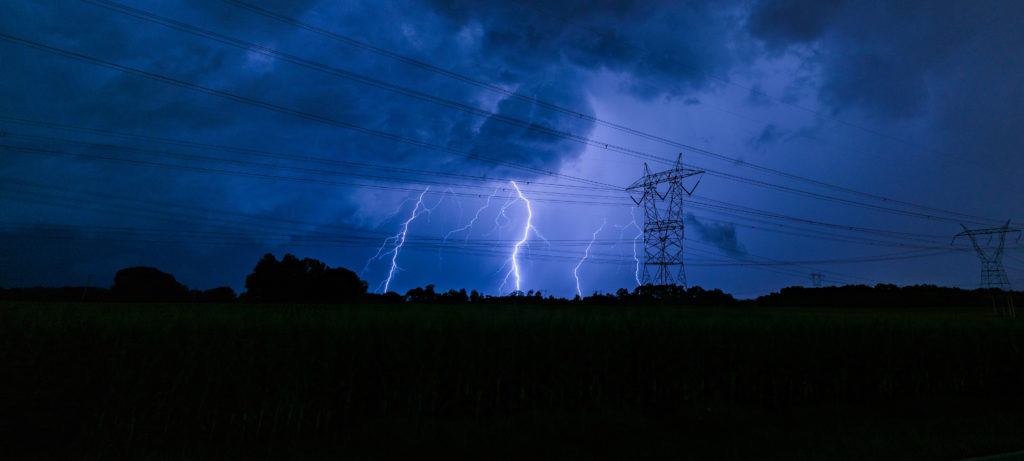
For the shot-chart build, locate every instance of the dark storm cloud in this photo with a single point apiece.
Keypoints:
(55, 89)
(948, 61)
(877, 55)
(658, 47)
(950, 66)
(770, 135)
(723, 236)
(780, 23)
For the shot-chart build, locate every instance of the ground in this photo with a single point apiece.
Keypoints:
(169, 381)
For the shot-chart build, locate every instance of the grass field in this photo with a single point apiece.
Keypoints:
(167, 381)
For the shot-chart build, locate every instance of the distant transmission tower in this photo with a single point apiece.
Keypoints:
(816, 279)
(661, 195)
(992, 273)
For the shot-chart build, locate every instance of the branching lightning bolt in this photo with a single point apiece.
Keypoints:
(446, 192)
(526, 235)
(498, 225)
(471, 221)
(387, 241)
(399, 239)
(586, 253)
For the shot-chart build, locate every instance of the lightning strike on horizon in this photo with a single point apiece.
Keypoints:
(526, 235)
(586, 253)
(636, 272)
(400, 238)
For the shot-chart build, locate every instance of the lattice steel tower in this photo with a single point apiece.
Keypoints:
(661, 195)
(992, 273)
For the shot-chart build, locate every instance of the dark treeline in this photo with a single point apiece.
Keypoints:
(294, 280)
(885, 295)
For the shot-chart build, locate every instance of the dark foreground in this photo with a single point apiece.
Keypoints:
(164, 381)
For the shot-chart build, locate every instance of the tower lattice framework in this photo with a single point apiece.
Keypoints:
(993, 275)
(661, 195)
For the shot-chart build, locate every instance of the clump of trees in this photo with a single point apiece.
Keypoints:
(307, 280)
(646, 295)
(147, 284)
(885, 295)
(294, 280)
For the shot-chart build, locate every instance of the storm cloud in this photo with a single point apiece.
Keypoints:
(721, 235)
(893, 98)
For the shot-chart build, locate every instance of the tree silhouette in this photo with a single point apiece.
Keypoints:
(305, 280)
(218, 295)
(147, 284)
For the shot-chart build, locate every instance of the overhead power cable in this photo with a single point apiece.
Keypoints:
(345, 170)
(719, 207)
(252, 174)
(281, 109)
(570, 198)
(269, 154)
(488, 250)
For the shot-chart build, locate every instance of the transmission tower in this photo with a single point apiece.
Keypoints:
(661, 195)
(992, 273)
(816, 279)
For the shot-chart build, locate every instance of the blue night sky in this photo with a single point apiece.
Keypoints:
(840, 137)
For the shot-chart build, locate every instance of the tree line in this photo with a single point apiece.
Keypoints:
(307, 280)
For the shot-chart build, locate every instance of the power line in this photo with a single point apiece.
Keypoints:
(278, 108)
(258, 175)
(719, 207)
(576, 198)
(261, 153)
(484, 249)
(300, 169)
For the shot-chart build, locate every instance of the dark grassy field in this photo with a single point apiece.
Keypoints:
(166, 381)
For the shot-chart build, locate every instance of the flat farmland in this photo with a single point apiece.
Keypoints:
(170, 381)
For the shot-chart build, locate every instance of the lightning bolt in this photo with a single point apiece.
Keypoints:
(387, 241)
(471, 221)
(498, 225)
(526, 235)
(586, 253)
(469, 226)
(636, 273)
(447, 191)
(399, 238)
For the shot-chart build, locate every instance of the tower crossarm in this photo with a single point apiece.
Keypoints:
(663, 177)
(974, 242)
(992, 273)
(1001, 231)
